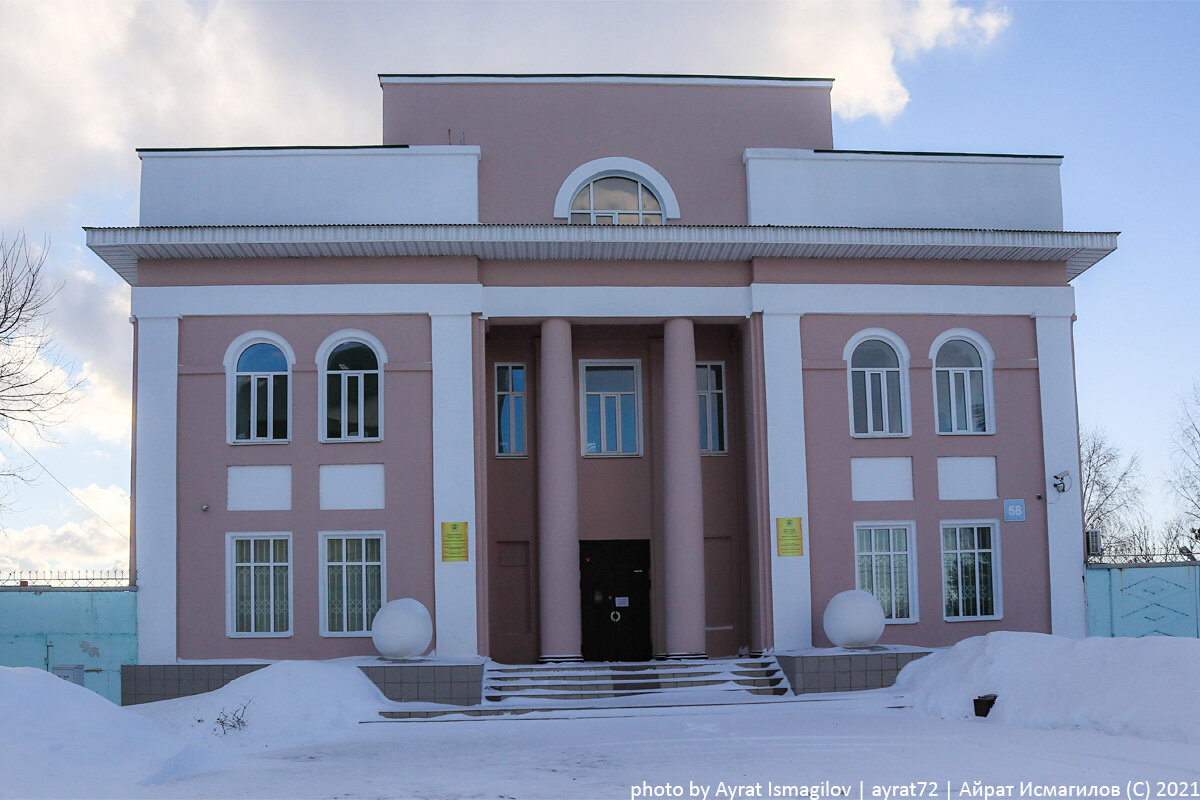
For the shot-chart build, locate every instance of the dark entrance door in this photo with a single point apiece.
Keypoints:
(615, 597)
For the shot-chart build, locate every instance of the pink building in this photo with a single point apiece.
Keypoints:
(680, 370)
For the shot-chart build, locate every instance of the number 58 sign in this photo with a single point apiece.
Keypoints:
(1014, 510)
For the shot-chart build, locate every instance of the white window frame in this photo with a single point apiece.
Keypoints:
(611, 214)
(997, 568)
(584, 363)
(988, 359)
(230, 585)
(524, 395)
(331, 342)
(323, 538)
(709, 395)
(903, 359)
(232, 354)
(914, 605)
(622, 167)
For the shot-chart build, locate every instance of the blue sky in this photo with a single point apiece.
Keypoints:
(1111, 86)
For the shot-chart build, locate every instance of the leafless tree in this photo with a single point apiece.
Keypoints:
(1111, 484)
(34, 386)
(1184, 478)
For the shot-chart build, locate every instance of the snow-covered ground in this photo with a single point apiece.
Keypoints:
(301, 738)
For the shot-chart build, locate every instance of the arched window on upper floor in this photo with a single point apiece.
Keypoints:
(351, 387)
(962, 382)
(616, 200)
(877, 384)
(616, 191)
(258, 370)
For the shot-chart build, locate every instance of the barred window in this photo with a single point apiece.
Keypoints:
(353, 582)
(260, 584)
(970, 571)
(884, 567)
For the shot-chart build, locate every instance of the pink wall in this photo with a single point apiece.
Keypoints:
(1016, 445)
(693, 135)
(896, 271)
(283, 271)
(204, 456)
(467, 269)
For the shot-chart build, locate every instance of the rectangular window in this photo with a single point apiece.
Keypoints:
(352, 582)
(971, 570)
(510, 409)
(259, 584)
(261, 407)
(611, 407)
(885, 566)
(710, 383)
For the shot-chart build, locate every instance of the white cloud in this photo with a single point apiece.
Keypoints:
(87, 82)
(86, 544)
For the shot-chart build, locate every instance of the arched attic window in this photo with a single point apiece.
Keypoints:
(616, 191)
(616, 200)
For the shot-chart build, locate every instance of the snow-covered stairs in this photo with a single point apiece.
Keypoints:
(574, 682)
(509, 689)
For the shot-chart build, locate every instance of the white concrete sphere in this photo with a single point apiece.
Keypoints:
(854, 619)
(402, 629)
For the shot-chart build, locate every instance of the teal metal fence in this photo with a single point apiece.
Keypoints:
(1143, 599)
(82, 634)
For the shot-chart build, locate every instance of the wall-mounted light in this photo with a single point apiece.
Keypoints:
(1062, 482)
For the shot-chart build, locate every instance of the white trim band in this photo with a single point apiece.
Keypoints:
(121, 248)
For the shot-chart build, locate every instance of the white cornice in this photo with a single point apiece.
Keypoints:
(669, 80)
(121, 248)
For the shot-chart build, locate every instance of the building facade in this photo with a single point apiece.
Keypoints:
(603, 367)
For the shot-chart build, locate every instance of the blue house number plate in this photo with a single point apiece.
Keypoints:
(1014, 510)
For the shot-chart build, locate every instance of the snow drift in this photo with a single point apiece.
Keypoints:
(63, 740)
(1140, 687)
(282, 705)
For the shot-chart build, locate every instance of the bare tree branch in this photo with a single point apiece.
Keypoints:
(1184, 479)
(34, 385)
(1112, 485)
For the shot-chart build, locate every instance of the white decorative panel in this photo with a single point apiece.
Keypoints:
(881, 478)
(369, 185)
(351, 486)
(260, 488)
(896, 190)
(972, 478)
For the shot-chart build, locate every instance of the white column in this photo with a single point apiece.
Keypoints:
(787, 478)
(154, 483)
(454, 585)
(1060, 448)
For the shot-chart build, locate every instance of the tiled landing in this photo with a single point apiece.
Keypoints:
(840, 670)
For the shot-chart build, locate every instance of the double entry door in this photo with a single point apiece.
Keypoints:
(614, 593)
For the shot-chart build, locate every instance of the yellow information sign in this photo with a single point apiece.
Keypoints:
(454, 541)
(789, 535)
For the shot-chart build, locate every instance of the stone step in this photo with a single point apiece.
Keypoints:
(600, 676)
(509, 709)
(519, 687)
(699, 663)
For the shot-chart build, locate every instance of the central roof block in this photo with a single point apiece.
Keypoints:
(534, 130)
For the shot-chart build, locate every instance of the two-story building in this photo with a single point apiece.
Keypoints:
(599, 366)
